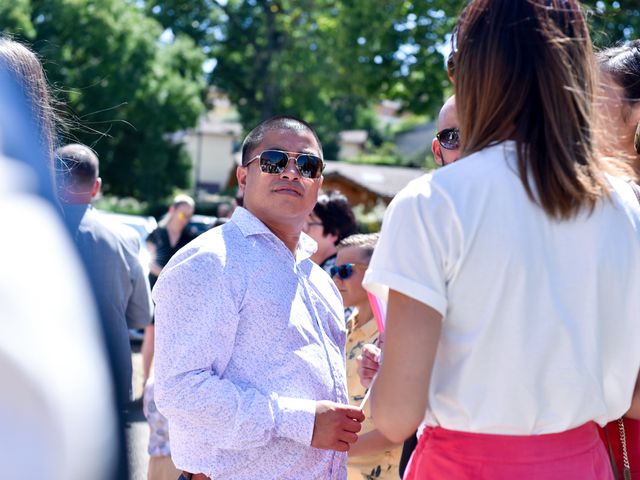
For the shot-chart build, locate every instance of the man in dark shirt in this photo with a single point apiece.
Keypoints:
(123, 290)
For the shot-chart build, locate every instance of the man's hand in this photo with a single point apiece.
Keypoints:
(336, 426)
(368, 364)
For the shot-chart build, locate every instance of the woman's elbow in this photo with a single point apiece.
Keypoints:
(396, 425)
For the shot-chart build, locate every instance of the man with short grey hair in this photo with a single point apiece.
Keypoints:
(122, 292)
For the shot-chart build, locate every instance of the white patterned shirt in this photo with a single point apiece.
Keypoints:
(247, 339)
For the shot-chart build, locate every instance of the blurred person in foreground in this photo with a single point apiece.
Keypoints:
(250, 332)
(51, 344)
(373, 455)
(518, 259)
(620, 130)
(330, 221)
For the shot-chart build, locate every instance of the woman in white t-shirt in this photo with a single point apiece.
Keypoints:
(512, 323)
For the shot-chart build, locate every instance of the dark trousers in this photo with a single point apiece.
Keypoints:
(407, 449)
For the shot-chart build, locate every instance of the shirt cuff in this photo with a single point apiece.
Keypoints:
(295, 419)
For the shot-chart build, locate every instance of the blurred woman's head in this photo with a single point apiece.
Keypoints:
(620, 100)
(525, 71)
(181, 211)
(27, 70)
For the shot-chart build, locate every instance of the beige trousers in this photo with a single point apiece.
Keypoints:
(162, 468)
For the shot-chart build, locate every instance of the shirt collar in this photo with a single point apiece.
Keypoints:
(250, 225)
(74, 213)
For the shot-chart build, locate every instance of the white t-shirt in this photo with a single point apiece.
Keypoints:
(541, 328)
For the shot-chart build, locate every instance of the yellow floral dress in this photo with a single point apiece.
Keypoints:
(382, 465)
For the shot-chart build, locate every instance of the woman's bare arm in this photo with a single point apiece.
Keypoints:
(400, 392)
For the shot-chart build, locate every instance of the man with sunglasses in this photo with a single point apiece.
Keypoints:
(446, 144)
(250, 332)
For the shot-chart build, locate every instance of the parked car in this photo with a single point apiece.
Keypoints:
(143, 226)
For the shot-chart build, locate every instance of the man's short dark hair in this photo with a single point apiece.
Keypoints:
(280, 122)
(77, 163)
(335, 213)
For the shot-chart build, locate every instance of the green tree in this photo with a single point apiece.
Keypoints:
(126, 87)
(17, 14)
(327, 61)
(612, 22)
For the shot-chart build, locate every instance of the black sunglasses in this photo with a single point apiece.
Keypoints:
(345, 270)
(449, 138)
(274, 162)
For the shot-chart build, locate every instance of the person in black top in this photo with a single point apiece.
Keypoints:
(170, 236)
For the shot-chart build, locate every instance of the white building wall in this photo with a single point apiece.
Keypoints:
(212, 157)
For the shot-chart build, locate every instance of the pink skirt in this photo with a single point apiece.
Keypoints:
(450, 455)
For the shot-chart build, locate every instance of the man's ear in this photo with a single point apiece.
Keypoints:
(97, 185)
(241, 176)
(437, 153)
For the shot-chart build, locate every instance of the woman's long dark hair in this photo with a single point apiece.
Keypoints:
(525, 71)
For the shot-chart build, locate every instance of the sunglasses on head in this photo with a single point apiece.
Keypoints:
(274, 162)
(449, 138)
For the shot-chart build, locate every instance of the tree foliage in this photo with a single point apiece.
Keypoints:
(327, 61)
(130, 70)
(126, 88)
(612, 22)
